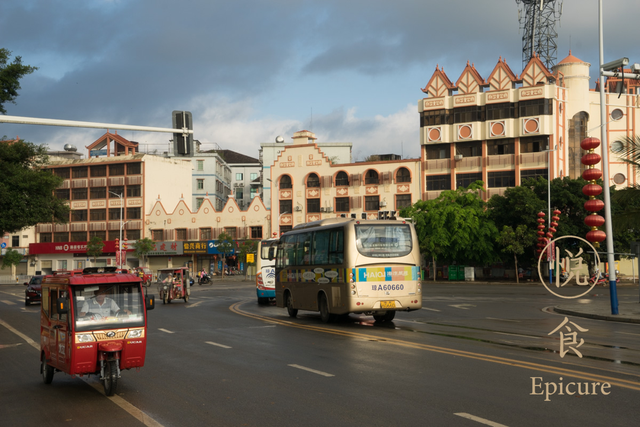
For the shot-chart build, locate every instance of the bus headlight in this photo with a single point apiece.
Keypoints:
(84, 338)
(135, 333)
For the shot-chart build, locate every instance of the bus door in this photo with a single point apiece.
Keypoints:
(57, 327)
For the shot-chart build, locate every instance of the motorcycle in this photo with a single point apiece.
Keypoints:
(174, 283)
(204, 279)
(601, 279)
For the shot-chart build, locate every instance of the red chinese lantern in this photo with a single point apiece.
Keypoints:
(591, 190)
(594, 220)
(591, 159)
(593, 205)
(590, 144)
(591, 174)
(596, 236)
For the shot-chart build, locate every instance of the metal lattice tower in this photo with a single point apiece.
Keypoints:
(538, 19)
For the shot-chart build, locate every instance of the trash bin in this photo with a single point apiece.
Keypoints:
(461, 272)
(453, 272)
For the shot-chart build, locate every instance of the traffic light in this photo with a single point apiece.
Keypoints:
(182, 141)
(117, 244)
(124, 244)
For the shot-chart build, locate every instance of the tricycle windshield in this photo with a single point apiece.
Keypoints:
(108, 306)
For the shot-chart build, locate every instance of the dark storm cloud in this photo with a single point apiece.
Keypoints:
(136, 61)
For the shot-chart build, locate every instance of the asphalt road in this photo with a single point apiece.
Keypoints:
(474, 355)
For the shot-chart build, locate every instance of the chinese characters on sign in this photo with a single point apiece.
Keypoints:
(569, 338)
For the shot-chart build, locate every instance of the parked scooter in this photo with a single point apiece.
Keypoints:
(601, 279)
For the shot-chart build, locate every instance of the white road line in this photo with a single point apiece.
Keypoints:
(29, 341)
(504, 320)
(479, 420)
(462, 306)
(216, 344)
(324, 374)
(518, 335)
(195, 304)
(430, 309)
(128, 407)
(6, 301)
(165, 330)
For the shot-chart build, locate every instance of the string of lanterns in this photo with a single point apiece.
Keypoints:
(593, 205)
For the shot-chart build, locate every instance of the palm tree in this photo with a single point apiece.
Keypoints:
(628, 150)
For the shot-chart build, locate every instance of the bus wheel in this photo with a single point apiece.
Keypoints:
(110, 381)
(47, 371)
(293, 312)
(325, 316)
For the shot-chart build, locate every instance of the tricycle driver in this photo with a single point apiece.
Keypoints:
(101, 305)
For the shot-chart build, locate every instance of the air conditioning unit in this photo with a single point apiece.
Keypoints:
(241, 184)
(383, 204)
(235, 184)
(297, 209)
(458, 157)
(329, 209)
(323, 209)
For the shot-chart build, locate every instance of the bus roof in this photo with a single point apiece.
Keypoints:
(336, 221)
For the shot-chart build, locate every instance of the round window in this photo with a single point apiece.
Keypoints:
(619, 178)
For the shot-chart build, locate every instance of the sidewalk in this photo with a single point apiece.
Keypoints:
(601, 309)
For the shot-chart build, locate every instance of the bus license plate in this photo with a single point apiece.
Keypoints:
(387, 304)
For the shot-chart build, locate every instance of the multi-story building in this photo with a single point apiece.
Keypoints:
(505, 129)
(109, 197)
(245, 177)
(336, 152)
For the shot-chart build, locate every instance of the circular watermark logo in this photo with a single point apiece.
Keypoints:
(567, 259)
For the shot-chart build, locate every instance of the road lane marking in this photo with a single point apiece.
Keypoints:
(462, 306)
(165, 330)
(479, 420)
(633, 385)
(504, 320)
(430, 309)
(7, 302)
(195, 304)
(324, 374)
(29, 341)
(216, 344)
(128, 407)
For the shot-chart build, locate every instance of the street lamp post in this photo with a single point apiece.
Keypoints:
(121, 225)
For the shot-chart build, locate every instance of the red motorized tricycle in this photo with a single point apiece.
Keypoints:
(174, 283)
(93, 322)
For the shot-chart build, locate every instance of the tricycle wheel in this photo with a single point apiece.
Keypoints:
(165, 297)
(186, 297)
(110, 380)
(47, 371)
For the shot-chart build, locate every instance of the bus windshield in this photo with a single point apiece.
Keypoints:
(108, 306)
(383, 240)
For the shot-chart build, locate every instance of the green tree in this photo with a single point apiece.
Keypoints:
(26, 190)
(10, 76)
(11, 259)
(142, 248)
(516, 241)
(247, 247)
(94, 248)
(455, 226)
(225, 247)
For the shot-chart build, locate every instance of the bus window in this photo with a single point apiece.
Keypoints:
(303, 249)
(287, 251)
(336, 247)
(383, 241)
(321, 247)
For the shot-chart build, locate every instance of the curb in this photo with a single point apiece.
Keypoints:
(610, 317)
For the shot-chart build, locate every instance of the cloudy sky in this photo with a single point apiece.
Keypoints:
(250, 70)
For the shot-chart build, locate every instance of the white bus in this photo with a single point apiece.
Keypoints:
(265, 270)
(338, 266)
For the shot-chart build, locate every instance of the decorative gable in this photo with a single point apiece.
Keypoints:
(470, 80)
(535, 72)
(439, 85)
(501, 78)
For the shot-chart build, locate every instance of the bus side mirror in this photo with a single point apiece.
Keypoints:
(62, 305)
(149, 302)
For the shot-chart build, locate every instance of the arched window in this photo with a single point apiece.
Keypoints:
(313, 180)
(342, 178)
(403, 175)
(371, 177)
(285, 181)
